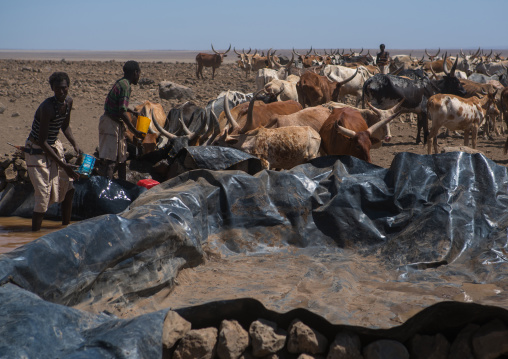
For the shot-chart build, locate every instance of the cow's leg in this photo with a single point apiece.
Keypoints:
(213, 73)
(466, 137)
(432, 139)
(474, 135)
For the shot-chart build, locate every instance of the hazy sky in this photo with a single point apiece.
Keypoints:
(193, 25)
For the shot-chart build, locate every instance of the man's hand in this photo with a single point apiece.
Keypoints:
(70, 172)
(139, 134)
(78, 150)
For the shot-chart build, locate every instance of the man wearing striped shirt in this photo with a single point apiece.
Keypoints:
(50, 175)
(112, 140)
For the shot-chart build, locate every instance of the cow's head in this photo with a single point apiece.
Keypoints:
(221, 54)
(450, 84)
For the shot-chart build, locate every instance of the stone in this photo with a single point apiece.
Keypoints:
(170, 90)
(303, 339)
(20, 164)
(385, 349)
(15, 114)
(10, 173)
(233, 340)
(2, 108)
(197, 343)
(429, 347)
(345, 346)
(461, 347)
(491, 340)
(175, 328)
(266, 338)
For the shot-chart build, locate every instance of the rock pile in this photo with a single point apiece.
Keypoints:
(264, 339)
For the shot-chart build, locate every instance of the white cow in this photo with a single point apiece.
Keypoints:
(354, 87)
(286, 89)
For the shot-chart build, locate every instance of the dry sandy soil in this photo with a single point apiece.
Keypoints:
(24, 85)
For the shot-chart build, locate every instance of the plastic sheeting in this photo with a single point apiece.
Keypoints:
(426, 219)
(93, 196)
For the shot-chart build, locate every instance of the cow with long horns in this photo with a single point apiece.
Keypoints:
(209, 60)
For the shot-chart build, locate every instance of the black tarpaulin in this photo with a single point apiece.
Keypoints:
(424, 221)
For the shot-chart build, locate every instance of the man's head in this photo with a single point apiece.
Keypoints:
(60, 82)
(132, 71)
(382, 47)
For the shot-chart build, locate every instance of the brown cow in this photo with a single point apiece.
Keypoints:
(155, 113)
(258, 113)
(209, 60)
(314, 89)
(345, 132)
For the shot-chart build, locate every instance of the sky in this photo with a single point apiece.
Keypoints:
(112, 25)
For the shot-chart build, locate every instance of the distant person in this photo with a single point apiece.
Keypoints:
(383, 59)
(112, 140)
(50, 175)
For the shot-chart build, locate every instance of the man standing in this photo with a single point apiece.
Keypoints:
(50, 175)
(383, 59)
(112, 141)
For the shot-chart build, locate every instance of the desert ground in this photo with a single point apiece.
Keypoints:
(24, 85)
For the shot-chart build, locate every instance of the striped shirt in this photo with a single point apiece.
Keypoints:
(117, 100)
(55, 123)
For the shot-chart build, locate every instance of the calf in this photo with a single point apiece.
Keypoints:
(457, 113)
(345, 132)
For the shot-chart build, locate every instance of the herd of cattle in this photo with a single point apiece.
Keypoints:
(299, 110)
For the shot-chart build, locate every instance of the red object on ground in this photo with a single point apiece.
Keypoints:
(147, 183)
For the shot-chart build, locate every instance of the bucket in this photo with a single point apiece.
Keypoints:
(87, 164)
(143, 124)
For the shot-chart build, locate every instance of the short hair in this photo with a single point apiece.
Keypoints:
(58, 77)
(382, 45)
(130, 66)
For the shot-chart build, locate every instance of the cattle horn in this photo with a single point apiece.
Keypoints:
(489, 55)
(296, 53)
(348, 79)
(250, 120)
(290, 63)
(445, 67)
(227, 111)
(476, 53)
(163, 131)
(272, 62)
(184, 127)
(432, 70)
(344, 131)
(380, 124)
(250, 49)
(307, 54)
(361, 51)
(432, 56)
(462, 54)
(229, 48)
(214, 49)
(397, 70)
(236, 52)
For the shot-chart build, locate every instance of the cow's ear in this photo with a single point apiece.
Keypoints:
(225, 55)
